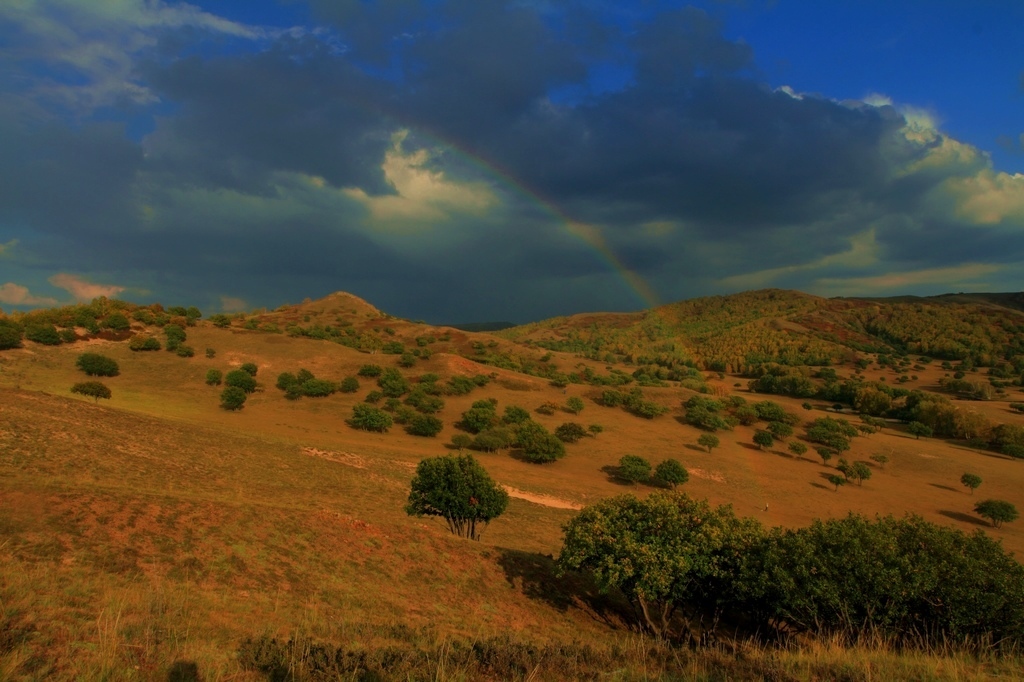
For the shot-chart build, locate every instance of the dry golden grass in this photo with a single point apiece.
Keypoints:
(156, 527)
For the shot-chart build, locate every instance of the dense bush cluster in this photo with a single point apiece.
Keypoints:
(907, 578)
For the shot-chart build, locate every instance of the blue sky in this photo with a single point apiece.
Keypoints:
(460, 160)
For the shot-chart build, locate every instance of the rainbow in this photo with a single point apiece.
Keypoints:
(590, 235)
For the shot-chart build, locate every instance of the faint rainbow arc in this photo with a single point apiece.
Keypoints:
(588, 234)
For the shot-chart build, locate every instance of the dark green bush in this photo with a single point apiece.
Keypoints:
(96, 365)
(239, 379)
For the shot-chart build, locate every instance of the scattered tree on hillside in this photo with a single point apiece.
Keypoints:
(997, 512)
(349, 385)
(917, 429)
(538, 445)
(595, 429)
(709, 441)
(424, 425)
(96, 365)
(459, 490)
(763, 439)
(860, 472)
(880, 459)
(634, 468)
(780, 430)
(370, 371)
(250, 368)
(461, 441)
(971, 481)
(142, 342)
(10, 334)
(797, 448)
(574, 405)
(45, 334)
(836, 480)
(480, 416)
(92, 389)
(240, 379)
(214, 377)
(368, 418)
(825, 454)
(671, 473)
(570, 432)
(232, 398)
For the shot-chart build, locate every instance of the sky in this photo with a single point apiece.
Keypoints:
(472, 160)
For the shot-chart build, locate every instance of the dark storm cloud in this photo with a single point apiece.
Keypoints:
(265, 174)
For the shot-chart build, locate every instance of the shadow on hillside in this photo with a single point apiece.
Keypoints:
(696, 448)
(749, 446)
(966, 518)
(815, 484)
(944, 487)
(537, 577)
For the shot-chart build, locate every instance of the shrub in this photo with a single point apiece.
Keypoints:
(407, 360)
(349, 385)
(764, 439)
(797, 448)
(570, 432)
(515, 415)
(318, 388)
(671, 473)
(634, 468)
(214, 377)
(374, 397)
(370, 371)
(574, 405)
(479, 417)
(458, 489)
(185, 351)
(10, 334)
(232, 397)
(143, 342)
(494, 439)
(595, 429)
(250, 368)
(220, 320)
(96, 365)
(92, 389)
(211, 353)
(461, 441)
(175, 334)
(368, 418)
(392, 383)
(45, 334)
(239, 379)
(547, 408)
(424, 425)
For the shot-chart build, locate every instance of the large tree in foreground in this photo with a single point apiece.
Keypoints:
(664, 552)
(458, 489)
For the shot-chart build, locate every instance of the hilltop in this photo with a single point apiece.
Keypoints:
(156, 528)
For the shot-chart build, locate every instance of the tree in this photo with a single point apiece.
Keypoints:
(370, 371)
(392, 383)
(797, 448)
(96, 365)
(825, 454)
(574, 405)
(214, 377)
(10, 334)
(458, 489)
(917, 429)
(45, 334)
(709, 441)
(634, 468)
(763, 439)
(461, 441)
(971, 481)
(349, 385)
(539, 446)
(142, 342)
(836, 480)
(570, 432)
(664, 552)
(368, 418)
(671, 472)
(880, 459)
(997, 512)
(250, 368)
(117, 322)
(239, 379)
(232, 398)
(780, 430)
(860, 472)
(424, 425)
(479, 417)
(318, 388)
(92, 389)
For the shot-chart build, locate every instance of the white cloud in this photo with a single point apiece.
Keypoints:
(15, 294)
(989, 197)
(5, 249)
(423, 195)
(98, 41)
(232, 304)
(956, 277)
(83, 290)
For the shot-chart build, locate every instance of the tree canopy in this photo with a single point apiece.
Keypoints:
(458, 489)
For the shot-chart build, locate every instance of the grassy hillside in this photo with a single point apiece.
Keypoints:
(156, 531)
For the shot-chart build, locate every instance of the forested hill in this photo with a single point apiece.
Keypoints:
(737, 332)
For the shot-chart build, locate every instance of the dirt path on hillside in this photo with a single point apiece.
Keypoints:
(544, 500)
